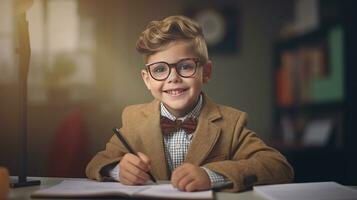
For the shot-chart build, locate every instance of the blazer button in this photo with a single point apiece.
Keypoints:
(177, 146)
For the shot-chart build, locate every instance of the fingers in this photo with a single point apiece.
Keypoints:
(137, 161)
(182, 176)
(133, 174)
(185, 182)
(127, 181)
(145, 159)
(133, 169)
(190, 178)
(192, 186)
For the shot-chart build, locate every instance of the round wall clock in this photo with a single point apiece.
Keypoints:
(213, 26)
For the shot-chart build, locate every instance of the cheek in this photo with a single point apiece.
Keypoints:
(155, 87)
(199, 79)
(197, 83)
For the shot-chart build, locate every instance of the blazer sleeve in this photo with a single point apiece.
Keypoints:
(252, 162)
(112, 154)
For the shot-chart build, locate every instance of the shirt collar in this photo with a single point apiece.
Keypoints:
(194, 113)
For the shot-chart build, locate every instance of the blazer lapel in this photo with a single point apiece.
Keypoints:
(153, 141)
(206, 134)
(204, 139)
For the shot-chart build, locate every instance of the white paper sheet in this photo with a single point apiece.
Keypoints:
(307, 191)
(89, 188)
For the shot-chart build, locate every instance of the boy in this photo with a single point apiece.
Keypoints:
(218, 151)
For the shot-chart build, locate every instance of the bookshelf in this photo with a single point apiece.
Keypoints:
(310, 102)
(309, 89)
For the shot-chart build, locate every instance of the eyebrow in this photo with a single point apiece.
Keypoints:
(171, 63)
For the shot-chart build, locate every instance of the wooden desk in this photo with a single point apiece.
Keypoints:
(25, 192)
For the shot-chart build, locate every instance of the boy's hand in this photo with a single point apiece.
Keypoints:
(189, 177)
(133, 169)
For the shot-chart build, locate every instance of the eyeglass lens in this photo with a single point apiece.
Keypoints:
(161, 70)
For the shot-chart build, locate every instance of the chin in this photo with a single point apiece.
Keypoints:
(177, 103)
(176, 107)
(180, 107)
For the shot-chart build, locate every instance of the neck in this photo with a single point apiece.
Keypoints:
(184, 112)
(181, 113)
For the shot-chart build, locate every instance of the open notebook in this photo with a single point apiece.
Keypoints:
(89, 188)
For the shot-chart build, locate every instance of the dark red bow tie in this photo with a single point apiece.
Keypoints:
(169, 126)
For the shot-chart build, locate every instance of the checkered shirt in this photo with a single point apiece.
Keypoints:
(176, 145)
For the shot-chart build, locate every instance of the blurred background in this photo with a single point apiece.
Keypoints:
(288, 63)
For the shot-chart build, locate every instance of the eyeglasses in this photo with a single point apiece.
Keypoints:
(161, 70)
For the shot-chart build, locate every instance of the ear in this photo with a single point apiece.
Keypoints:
(146, 78)
(207, 71)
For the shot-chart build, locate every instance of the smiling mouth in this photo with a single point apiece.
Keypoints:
(175, 92)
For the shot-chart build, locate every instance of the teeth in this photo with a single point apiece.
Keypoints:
(174, 92)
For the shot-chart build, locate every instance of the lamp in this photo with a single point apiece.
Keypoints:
(24, 52)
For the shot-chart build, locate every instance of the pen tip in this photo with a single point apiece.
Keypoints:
(115, 129)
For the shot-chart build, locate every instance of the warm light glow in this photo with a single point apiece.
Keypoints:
(63, 25)
(7, 54)
(35, 16)
(61, 43)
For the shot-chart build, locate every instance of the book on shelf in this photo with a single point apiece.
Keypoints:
(90, 189)
(284, 83)
(311, 71)
(317, 132)
(331, 87)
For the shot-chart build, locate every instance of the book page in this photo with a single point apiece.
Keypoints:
(307, 191)
(90, 188)
(168, 191)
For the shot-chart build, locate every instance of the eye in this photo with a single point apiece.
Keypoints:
(159, 68)
(186, 65)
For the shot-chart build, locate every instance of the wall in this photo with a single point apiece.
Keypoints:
(251, 66)
(242, 80)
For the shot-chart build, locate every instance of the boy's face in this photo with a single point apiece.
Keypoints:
(179, 94)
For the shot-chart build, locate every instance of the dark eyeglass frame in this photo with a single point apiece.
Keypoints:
(196, 61)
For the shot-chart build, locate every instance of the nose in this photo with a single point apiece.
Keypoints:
(174, 76)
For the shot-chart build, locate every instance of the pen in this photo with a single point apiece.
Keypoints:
(128, 147)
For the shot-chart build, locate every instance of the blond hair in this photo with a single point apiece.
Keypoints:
(158, 34)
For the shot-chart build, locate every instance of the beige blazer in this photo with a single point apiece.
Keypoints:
(221, 143)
